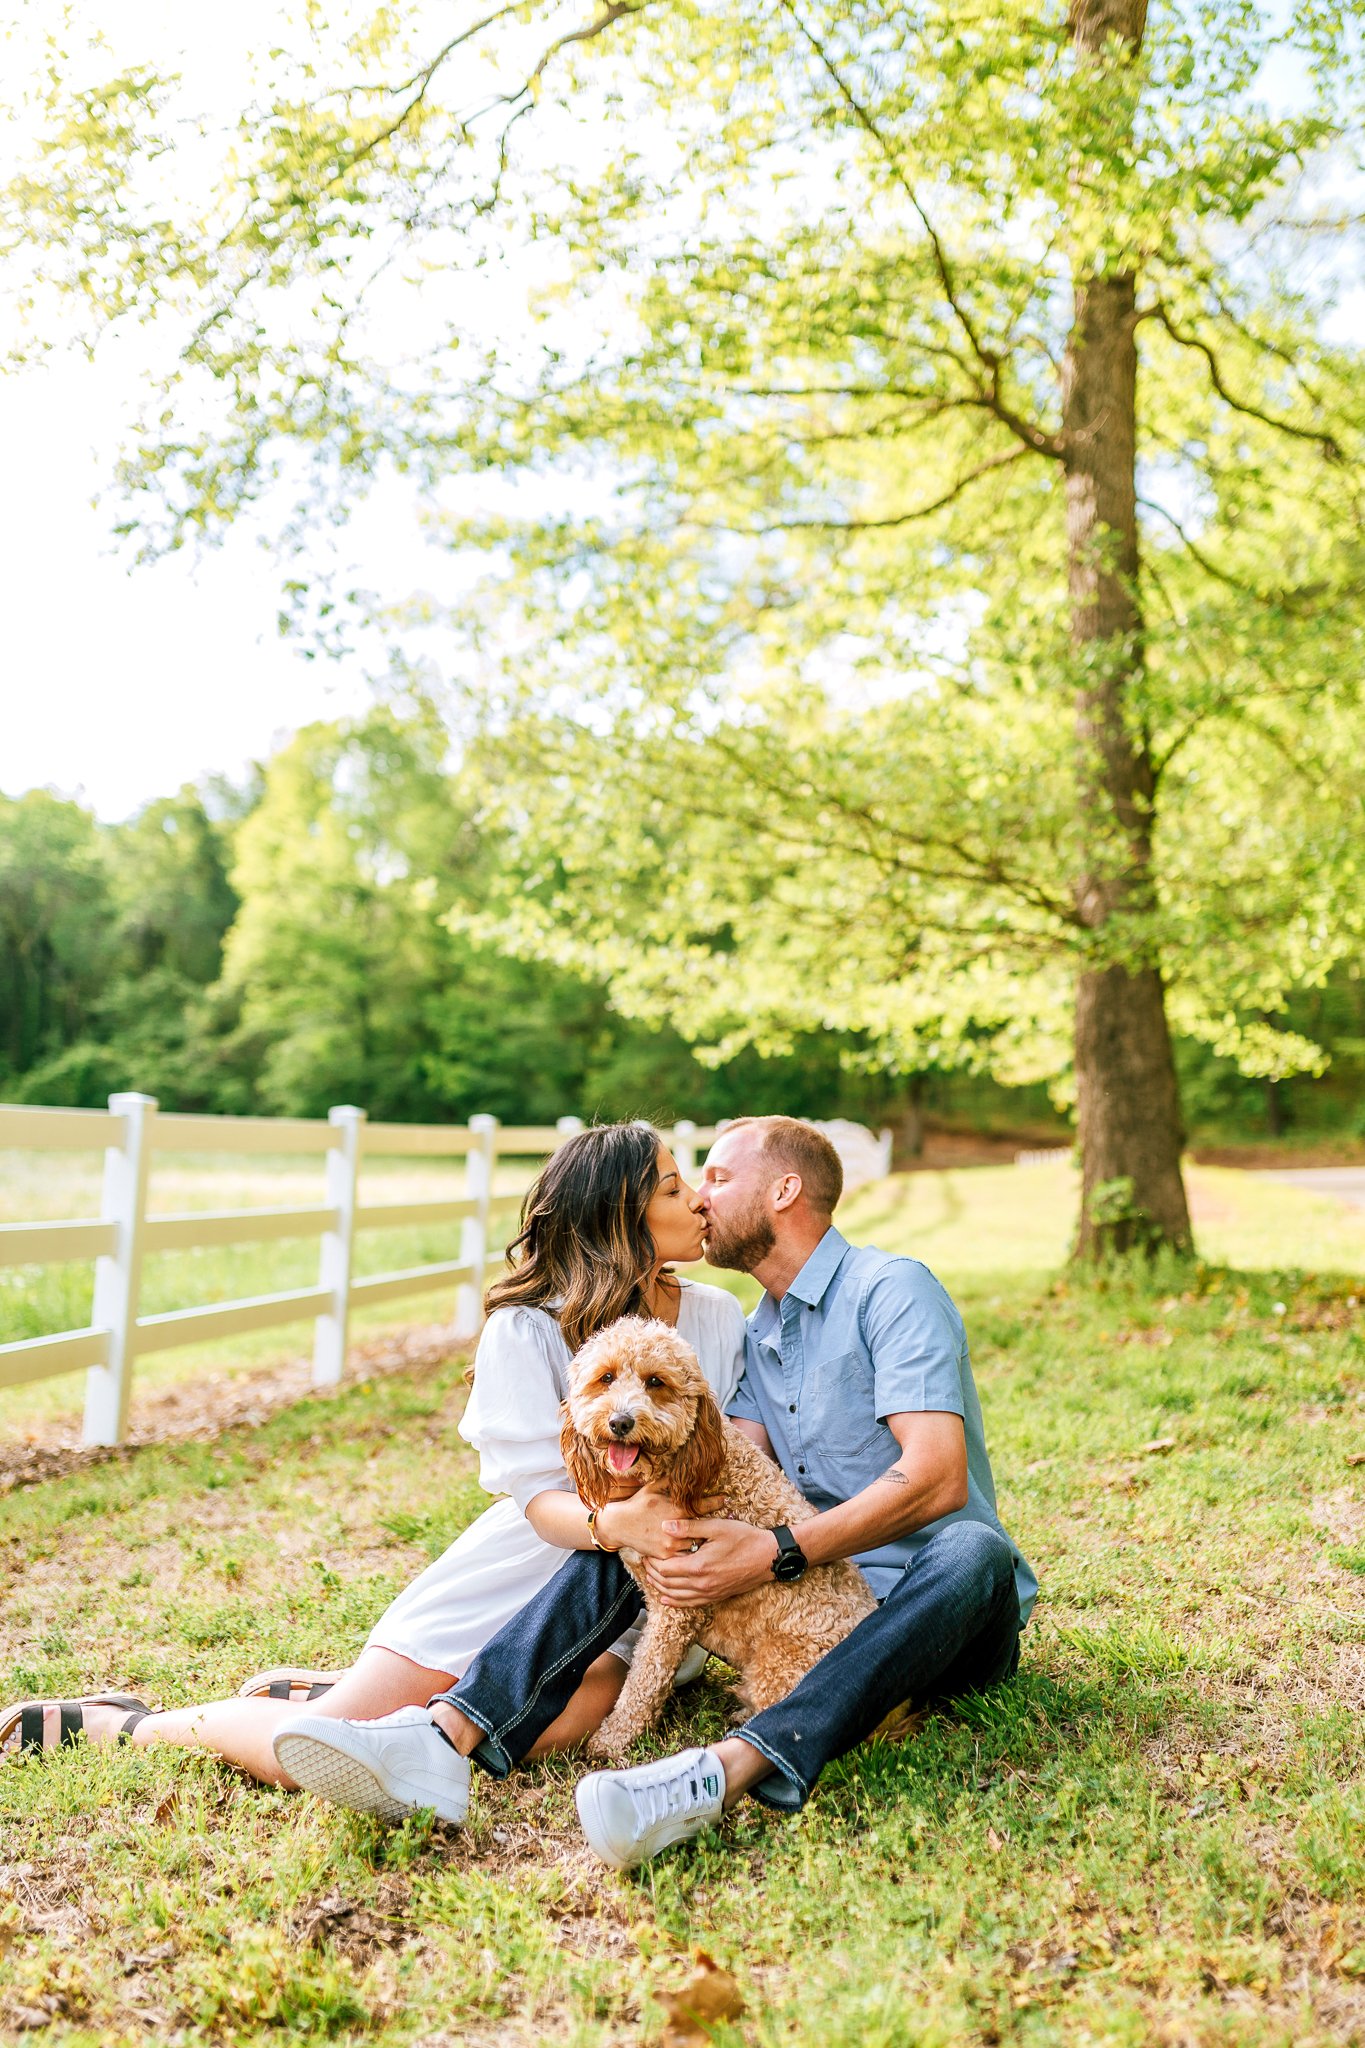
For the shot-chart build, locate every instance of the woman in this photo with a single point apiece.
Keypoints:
(601, 1228)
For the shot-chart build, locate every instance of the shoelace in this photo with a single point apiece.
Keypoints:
(668, 1797)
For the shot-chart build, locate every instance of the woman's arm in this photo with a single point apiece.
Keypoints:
(637, 1522)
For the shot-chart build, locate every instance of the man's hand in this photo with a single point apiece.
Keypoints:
(646, 1522)
(734, 1558)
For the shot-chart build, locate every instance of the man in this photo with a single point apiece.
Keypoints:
(858, 1382)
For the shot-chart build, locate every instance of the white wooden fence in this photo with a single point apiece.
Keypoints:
(132, 1131)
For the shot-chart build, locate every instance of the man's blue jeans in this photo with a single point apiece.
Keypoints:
(949, 1625)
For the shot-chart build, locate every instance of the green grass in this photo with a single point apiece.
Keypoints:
(1156, 1835)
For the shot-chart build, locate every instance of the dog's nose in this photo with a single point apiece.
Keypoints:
(621, 1423)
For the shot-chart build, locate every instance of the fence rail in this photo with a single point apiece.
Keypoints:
(132, 1131)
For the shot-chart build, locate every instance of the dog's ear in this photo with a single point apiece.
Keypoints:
(698, 1466)
(591, 1483)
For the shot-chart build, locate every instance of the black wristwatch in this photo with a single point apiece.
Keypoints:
(791, 1561)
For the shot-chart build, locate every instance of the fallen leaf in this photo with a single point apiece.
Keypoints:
(1355, 1457)
(1158, 1446)
(994, 1842)
(709, 1994)
(166, 1807)
(901, 1723)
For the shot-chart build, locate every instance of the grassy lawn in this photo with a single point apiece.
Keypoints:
(1156, 1835)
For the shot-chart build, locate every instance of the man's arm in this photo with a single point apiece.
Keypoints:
(928, 1479)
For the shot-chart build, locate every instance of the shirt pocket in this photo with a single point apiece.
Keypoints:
(845, 1426)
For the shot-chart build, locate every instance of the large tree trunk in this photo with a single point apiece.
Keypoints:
(1128, 1102)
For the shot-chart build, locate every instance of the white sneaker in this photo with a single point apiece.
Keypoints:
(629, 1816)
(393, 1766)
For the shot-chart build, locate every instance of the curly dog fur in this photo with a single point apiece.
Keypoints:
(640, 1412)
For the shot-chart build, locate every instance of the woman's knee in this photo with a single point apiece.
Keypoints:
(379, 1682)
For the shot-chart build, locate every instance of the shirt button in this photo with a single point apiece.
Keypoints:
(791, 1407)
(800, 1468)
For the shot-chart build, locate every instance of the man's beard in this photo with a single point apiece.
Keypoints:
(744, 1242)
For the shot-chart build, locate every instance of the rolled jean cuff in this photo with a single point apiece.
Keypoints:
(785, 1790)
(490, 1754)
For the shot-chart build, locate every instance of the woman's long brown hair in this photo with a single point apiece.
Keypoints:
(584, 1248)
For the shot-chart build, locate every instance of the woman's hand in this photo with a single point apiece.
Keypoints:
(638, 1523)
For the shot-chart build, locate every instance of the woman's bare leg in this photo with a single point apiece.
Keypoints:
(243, 1731)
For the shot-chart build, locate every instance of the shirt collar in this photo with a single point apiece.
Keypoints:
(812, 1282)
(809, 1287)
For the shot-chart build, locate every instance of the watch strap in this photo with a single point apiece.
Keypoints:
(791, 1560)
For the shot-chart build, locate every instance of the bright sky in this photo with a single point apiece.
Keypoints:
(118, 683)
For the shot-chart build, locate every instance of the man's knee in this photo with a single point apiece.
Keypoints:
(976, 1552)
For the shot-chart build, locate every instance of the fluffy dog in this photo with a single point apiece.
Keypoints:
(640, 1412)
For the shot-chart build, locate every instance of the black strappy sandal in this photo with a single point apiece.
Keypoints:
(30, 1717)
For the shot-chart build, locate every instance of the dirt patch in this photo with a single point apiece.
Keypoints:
(1318, 1152)
(203, 1410)
(354, 1930)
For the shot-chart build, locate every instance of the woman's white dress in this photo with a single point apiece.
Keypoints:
(491, 1570)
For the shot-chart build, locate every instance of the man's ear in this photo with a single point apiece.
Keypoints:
(788, 1191)
(591, 1483)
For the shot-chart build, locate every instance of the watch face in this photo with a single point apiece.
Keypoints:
(790, 1565)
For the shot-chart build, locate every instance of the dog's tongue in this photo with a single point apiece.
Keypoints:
(622, 1456)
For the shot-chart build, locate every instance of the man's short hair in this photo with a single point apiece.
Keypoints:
(790, 1142)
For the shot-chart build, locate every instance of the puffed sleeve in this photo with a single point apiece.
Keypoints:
(512, 1419)
(724, 1368)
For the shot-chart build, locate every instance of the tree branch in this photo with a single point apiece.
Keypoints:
(1034, 437)
(1328, 443)
(873, 525)
(1196, 554)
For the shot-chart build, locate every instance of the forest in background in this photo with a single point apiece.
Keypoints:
(291, 941)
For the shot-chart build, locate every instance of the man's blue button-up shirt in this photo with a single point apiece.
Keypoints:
(859, 1335)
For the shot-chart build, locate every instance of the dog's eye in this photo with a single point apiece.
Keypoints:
(654, 1380)
(607, 1378)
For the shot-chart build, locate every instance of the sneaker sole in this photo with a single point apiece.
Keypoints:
(357, 1782)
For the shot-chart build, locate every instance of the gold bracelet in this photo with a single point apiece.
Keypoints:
(597, 1544)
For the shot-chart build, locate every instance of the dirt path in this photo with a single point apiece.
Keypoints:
(1343, 1183)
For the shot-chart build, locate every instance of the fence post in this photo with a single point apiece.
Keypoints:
(886, 1139)
(685, 1147)
(568, 1126)
(334, 1267)
(479, 1163)
(118, 1277)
